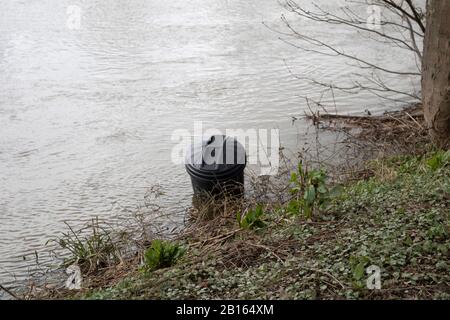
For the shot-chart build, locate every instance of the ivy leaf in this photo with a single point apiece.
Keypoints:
(322, 189)
(358, 273)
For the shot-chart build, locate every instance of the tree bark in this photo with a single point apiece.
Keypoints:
(436, 71)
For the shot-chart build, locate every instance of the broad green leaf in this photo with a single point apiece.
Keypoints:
(310, 194)
(322, 189)
(358, 273)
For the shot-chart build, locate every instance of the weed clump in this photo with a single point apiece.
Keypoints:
(310, 191)
(162, 254)
(91, 247)
(252, 219)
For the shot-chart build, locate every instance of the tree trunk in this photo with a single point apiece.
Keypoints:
(436, 71)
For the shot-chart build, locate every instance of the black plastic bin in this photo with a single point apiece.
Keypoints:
(216, 166)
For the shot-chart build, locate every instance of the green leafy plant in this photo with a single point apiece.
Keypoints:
(162, 254)
(358, 265)
(252, 220)
(310, 190)
(439, 160)
(91, 247)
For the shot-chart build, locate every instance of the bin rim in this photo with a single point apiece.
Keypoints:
(208, 174)
(226, 170)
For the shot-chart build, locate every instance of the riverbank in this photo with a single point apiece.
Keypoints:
(389, 215)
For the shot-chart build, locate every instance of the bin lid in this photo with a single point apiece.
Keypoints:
(216, 155)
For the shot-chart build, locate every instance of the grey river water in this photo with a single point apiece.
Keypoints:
(87, 112)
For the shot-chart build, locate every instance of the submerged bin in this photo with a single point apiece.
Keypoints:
(216, 166)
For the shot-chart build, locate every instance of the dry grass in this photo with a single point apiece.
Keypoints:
(394, 133)
(402, 131)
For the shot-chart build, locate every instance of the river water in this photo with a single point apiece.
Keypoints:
(87, 110)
